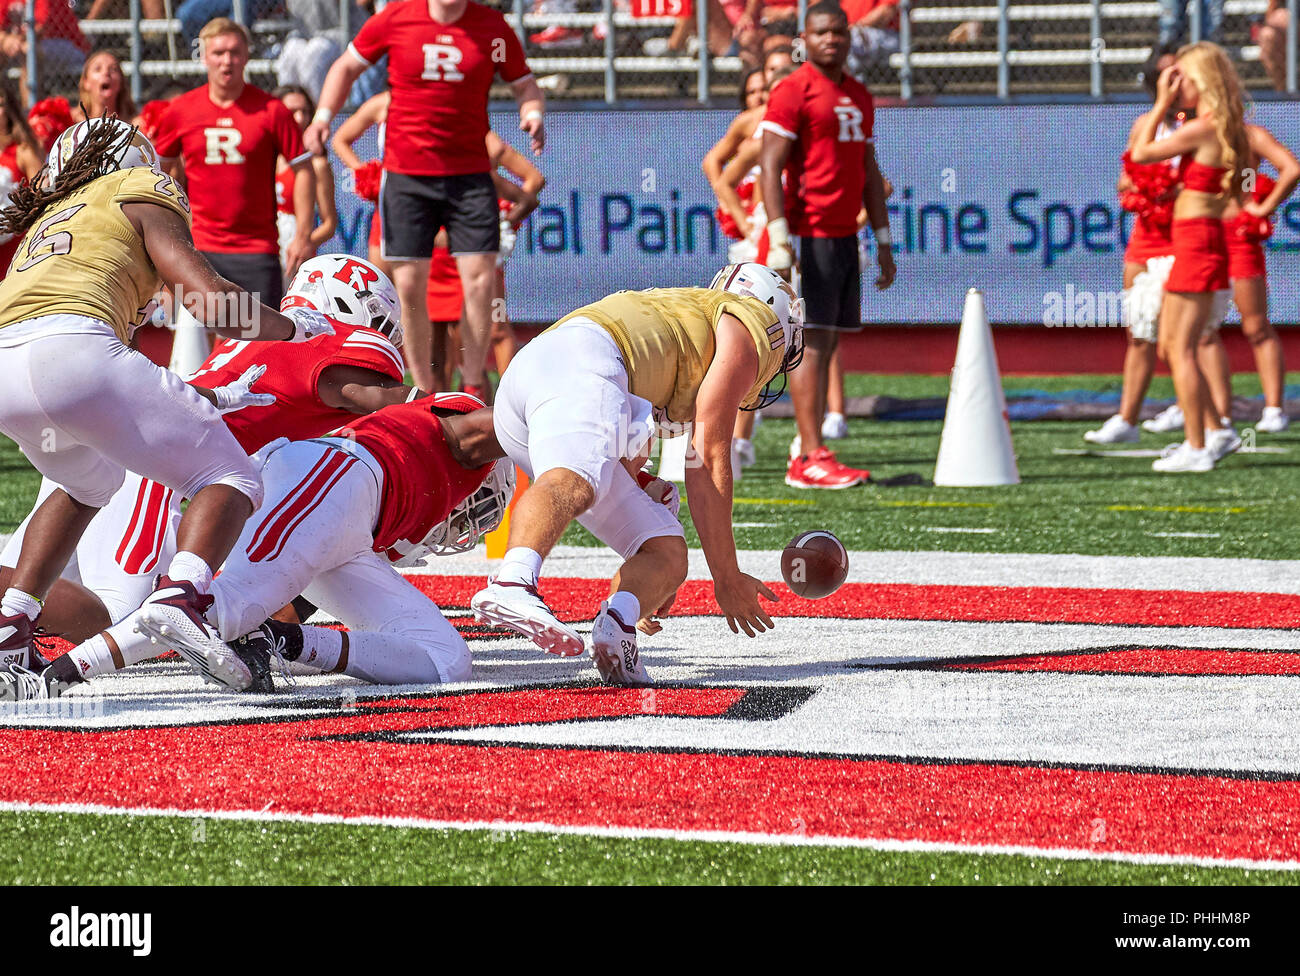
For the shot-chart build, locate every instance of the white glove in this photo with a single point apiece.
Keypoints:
(307, 323)
(238, 395)
(508, 239)
(263, 453)
(664, 492)
(780, 252)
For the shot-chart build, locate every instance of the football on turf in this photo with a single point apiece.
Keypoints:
(814, 564)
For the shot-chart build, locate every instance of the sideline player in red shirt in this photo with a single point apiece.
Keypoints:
(443, 56)
(312, 388)
(222, 141)
(818, 129)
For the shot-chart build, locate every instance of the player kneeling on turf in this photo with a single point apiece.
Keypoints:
(408, 480)
(576, 410)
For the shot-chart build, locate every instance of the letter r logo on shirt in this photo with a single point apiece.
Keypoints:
(222, 146)
(850, 117)
(441, 63)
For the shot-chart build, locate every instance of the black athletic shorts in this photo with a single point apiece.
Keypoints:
(415, 208)
(831, 282)
(260, 274)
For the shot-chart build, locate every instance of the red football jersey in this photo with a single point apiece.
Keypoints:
(440, 75)
(827, 169)
(292, 371)
(230, 158)
(422, 481)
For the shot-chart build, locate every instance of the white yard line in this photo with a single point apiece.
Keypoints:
(707, 836)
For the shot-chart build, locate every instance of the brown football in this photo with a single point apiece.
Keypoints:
(814, 564)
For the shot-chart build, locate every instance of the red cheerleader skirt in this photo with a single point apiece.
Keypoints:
(1200, 255)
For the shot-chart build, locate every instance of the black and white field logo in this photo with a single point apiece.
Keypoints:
(79, 930)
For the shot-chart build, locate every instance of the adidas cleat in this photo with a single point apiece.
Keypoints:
(520, 608)
(613, 646)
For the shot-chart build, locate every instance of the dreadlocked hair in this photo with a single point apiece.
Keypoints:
(97, 156)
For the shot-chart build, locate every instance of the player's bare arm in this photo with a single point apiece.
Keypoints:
(873, 199)
(472, 438)
(338, 82)
(772, 159)
(708, 486)
(171, 248)
(359, 390)
(532, 105)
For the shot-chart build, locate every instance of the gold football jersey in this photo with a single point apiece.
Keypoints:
(83, 257)
(667, 338)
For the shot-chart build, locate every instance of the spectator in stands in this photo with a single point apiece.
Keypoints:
(60, 46)
(223, 140)
(873, 25)
(103, 9)
(193, 14)
(314, 44)
(443, 56)
(21, 157)
(1174, 20)
(103, 89)
(1271, 36)
(302, 108)
(734, 28)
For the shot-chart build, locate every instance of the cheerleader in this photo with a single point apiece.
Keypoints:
(366, 175)
(1247, 222)
(1214, 149)
(300, 105)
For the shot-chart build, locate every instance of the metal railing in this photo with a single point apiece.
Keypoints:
(922, 50)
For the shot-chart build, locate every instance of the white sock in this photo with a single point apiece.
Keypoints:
(627, 606)
(16, 601)
(189, 568)
(321, 648)
(521, 565)
(94, 658)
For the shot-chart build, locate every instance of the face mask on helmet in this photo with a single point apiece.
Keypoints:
(761, 282)
(351, 291)
(469, 521)
(130, 149)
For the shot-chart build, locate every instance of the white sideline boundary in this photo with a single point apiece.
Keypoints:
(707, 836)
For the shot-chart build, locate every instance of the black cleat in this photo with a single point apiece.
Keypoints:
(255, 649)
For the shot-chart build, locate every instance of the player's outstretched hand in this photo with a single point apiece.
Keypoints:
(239, 394)
(651, 625)
(307, 323)
(738, 598)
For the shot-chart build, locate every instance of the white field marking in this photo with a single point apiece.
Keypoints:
(956, 528)
(1196, 574)
(1183, 535)
(659, 833)
(1144, 452)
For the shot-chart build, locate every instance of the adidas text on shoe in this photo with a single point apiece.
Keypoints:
(613, 646)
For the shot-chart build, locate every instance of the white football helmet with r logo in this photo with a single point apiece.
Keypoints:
(349, 290)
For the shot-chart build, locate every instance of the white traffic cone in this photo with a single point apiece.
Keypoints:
(190, 346)
(975, 448)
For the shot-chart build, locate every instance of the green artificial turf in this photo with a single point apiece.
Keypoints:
(85, 849)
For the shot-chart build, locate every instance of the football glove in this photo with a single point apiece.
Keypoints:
(238, 395)
(307, 323)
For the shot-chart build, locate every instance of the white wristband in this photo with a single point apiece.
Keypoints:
(323, 115)
(532, 114)
(882, 235)
(778, 232)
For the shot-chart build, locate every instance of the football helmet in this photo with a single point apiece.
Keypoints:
(348, 290)
(755, 280)
(132, 149)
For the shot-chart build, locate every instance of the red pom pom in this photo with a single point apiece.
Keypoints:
(367, 180)
(1251, 228)
(1263, 186)
(49, 119)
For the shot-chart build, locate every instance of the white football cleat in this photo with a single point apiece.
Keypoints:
(1168, 419)
(1222, 442)
(834, 427)
(1274, 421)
(520, 608)
(613, 645)
(1185, 458)
(1116, 430)
(173, 617)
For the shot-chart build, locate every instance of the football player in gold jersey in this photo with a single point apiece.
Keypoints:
(576, 411)
(103, 227)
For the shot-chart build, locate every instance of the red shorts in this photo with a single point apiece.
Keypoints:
(1200, 255)
(1245, 258)
(1146, 242)
(445, 296)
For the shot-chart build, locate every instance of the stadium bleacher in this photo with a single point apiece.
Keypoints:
(1053, 49)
